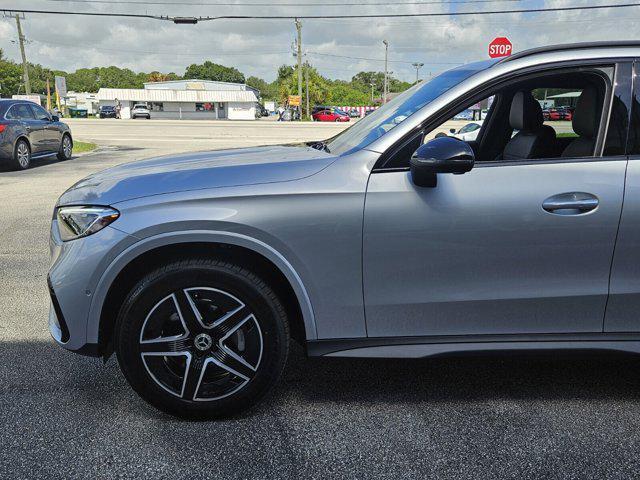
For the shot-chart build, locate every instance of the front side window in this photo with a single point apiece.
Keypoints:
(550, 115)
(40, 113)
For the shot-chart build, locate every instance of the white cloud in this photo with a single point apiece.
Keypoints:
(258, 47)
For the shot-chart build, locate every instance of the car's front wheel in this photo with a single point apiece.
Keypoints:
(202, 338)
(66, 148)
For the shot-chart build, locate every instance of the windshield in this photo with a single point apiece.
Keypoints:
(470, 127)
(373, 126)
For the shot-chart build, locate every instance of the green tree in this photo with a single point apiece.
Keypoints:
(345, 93)
(212, 71)
(84, 80)
(268, 91)
(318, 85)
(10, 78)
(363, 80)
(284, 72)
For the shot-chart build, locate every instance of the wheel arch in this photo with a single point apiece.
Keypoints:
(145, 255)
(25, 137)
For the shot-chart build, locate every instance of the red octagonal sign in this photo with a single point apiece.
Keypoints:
(500, 47)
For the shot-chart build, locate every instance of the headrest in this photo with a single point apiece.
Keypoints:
(585, 116)
(526, 112)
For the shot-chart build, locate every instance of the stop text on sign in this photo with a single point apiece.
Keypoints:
(500, 47)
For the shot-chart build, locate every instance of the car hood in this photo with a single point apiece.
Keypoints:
(195, 171)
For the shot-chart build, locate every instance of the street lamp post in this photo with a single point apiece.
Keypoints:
(417, 66)
(386, 63)
(372, 85)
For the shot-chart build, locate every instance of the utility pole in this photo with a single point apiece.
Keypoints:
(386, 62)
(417, 66)
(306, 74)
(372, 85)
(299, 55)
(25, 68)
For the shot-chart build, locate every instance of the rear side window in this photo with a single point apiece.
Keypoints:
(20, 111)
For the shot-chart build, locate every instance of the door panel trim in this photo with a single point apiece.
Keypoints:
(460, 343)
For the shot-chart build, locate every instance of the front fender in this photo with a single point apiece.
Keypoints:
(200, 236)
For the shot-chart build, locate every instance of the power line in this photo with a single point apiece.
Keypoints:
(283, 4)
(192, 20)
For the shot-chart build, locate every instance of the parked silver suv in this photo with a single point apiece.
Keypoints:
(140, 110)
(380, 242)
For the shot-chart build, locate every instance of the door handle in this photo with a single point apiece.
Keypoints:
(573, 203)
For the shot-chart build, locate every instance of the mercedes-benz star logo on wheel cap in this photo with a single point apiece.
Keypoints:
(202, 341)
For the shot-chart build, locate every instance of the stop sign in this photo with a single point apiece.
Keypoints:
(500, 47)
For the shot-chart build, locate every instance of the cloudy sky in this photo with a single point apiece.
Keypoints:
(338, 48)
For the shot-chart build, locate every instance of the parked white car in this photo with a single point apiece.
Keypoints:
(469, 131)
(140, 110)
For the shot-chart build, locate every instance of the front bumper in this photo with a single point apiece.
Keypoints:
(75, 272)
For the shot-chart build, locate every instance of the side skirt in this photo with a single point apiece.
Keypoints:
(421, 347)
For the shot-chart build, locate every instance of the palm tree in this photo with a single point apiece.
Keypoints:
(158, 77)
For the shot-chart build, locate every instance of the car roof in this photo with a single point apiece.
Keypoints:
(5, 103)
(12, 101)
(570, 46)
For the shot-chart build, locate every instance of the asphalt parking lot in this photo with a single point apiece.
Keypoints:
(66, 416)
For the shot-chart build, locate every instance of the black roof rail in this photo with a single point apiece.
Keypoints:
(570, 46)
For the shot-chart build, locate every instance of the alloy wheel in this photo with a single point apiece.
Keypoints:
(67, 147)
(23, 154)
(201, 344)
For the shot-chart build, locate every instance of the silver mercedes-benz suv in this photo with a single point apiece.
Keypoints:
(383, 241)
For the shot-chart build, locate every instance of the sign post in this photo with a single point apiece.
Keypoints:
(500, 47)
(61, 91)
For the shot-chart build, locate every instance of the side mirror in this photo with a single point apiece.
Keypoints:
(452, 130)
(440, 155)
(55, 118)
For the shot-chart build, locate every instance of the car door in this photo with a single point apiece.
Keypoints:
(34, 128)
(624, 297)
(478, 254)
(51, 133)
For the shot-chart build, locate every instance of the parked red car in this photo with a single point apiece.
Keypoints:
(554, 114)
(560, 113)
(330, 115)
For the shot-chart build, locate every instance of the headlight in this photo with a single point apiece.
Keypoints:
(80, 221)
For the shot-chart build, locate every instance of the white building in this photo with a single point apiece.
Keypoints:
(186, 99)
(82, 101)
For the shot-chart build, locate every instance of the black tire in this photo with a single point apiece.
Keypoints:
(65, 151)
(20, 161)
(267, 321)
